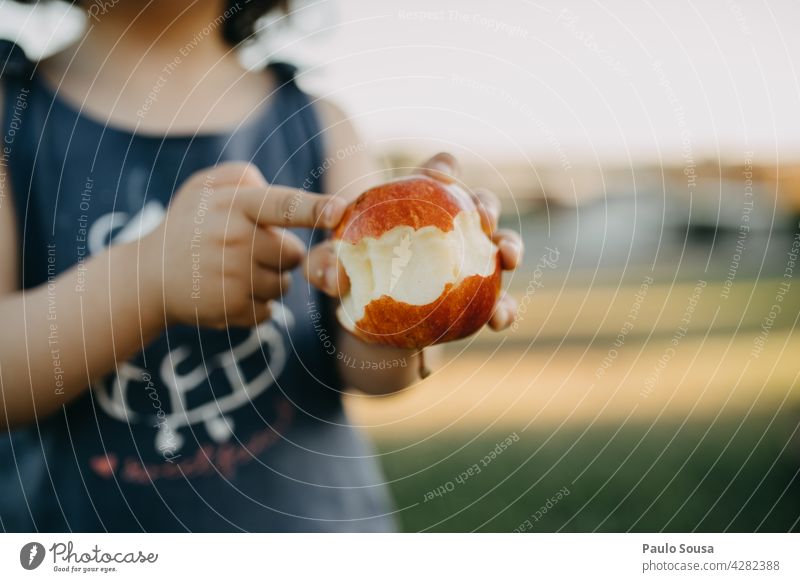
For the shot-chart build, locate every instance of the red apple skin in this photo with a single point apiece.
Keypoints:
(416, 201)
(460, 310)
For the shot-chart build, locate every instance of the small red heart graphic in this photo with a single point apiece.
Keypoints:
(104, 465)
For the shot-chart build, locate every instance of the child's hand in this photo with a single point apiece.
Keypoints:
(220, 255)
(326, 273)
(444, 167)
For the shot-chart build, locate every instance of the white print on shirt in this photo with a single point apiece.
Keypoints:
(116, 227)
(214, 414)
(112, 395)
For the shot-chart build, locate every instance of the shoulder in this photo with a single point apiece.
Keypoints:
(351, 169)
(331, 113)
(337, 124)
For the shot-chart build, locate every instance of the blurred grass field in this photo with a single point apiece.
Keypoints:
(734, 475)
(712, 444)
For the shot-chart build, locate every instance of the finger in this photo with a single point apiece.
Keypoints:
(325, 272)
(269, 284)
(277, 248)
(488, 206)
(259, 312)
(284, 206)
(238, 174)
(442, 167)
(511, 248)
(229, 174)
(504, 313)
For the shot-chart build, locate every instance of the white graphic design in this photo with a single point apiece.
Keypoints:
(113, 398)
(118, 228)
(112, 395)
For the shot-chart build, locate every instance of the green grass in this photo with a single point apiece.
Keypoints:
(718, 488)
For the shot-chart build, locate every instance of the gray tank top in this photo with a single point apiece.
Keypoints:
(205, 430)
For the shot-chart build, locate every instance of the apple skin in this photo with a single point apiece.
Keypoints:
(459, 312)
(461, 309)
(415, 201)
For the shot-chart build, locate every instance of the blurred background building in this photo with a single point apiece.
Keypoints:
(650, 156)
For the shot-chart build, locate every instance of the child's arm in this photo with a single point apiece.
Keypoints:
(57, 339)
(351, 174)
(54, 338)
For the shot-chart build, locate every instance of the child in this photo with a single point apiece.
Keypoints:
(156, 202)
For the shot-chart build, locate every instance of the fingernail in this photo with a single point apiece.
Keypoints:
(510, 247)
(333, 212)
(319, 275)
(443, 171)
(331, 279)
(501, 318)
(441, 166)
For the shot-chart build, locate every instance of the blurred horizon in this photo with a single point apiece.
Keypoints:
(545, 81)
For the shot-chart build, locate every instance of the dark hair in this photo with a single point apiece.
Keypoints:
(244, 14)
(241, 16)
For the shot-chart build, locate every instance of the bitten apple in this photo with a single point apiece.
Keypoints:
(422, 265)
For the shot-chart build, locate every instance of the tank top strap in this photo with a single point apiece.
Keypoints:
(284, 72)
(298, 108)
(16, 78)
(16, 74)
(302, 126)
(14, 63)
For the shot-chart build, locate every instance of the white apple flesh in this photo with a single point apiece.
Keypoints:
(422, 266)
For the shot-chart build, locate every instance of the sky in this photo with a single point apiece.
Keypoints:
(559, 81)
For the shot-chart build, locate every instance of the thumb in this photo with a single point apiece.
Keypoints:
(443, 167)
(227, 174)
(324, 271)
